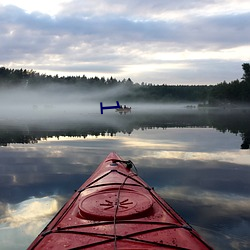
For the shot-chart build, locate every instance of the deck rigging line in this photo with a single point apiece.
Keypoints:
(130, 174)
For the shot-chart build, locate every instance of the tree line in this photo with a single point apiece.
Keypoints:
(236, 91)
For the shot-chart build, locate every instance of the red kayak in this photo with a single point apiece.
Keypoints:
(116, 209)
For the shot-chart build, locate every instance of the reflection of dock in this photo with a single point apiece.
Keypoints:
(123, 110)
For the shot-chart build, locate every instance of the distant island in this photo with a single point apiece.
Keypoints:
(225, 94)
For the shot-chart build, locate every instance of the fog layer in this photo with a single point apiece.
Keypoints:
(60, 102)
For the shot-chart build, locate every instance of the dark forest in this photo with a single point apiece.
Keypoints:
(224, 93)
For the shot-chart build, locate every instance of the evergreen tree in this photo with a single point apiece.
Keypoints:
(246, 69)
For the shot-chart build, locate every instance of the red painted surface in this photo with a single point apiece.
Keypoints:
(116, 209)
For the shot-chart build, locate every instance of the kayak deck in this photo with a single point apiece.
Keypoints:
(116, 209)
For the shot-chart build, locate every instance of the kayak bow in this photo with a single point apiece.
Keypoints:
(116, 209)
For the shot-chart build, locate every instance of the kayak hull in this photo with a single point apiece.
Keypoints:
(116, 209)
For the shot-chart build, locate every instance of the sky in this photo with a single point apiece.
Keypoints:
(160, 42)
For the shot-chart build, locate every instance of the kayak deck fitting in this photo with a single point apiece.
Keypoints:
(116, 209)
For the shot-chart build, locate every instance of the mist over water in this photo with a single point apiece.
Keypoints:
(60, 102)
(30, 114)
(51, 103)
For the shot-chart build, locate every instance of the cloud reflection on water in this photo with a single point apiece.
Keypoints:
(28, 211)
(21, 222)
(207, 184)
(234, 156)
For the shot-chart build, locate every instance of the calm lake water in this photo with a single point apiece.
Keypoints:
(197, 160)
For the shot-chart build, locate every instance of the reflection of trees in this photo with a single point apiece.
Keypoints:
(222, 120)
(236, 122)
(246, 141)
(8, 137)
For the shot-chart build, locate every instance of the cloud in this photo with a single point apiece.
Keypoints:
(139, 10)
(115, 38)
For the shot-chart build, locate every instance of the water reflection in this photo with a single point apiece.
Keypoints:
(82, 125)
(195, 166)
(31, 210)
(21, 221)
